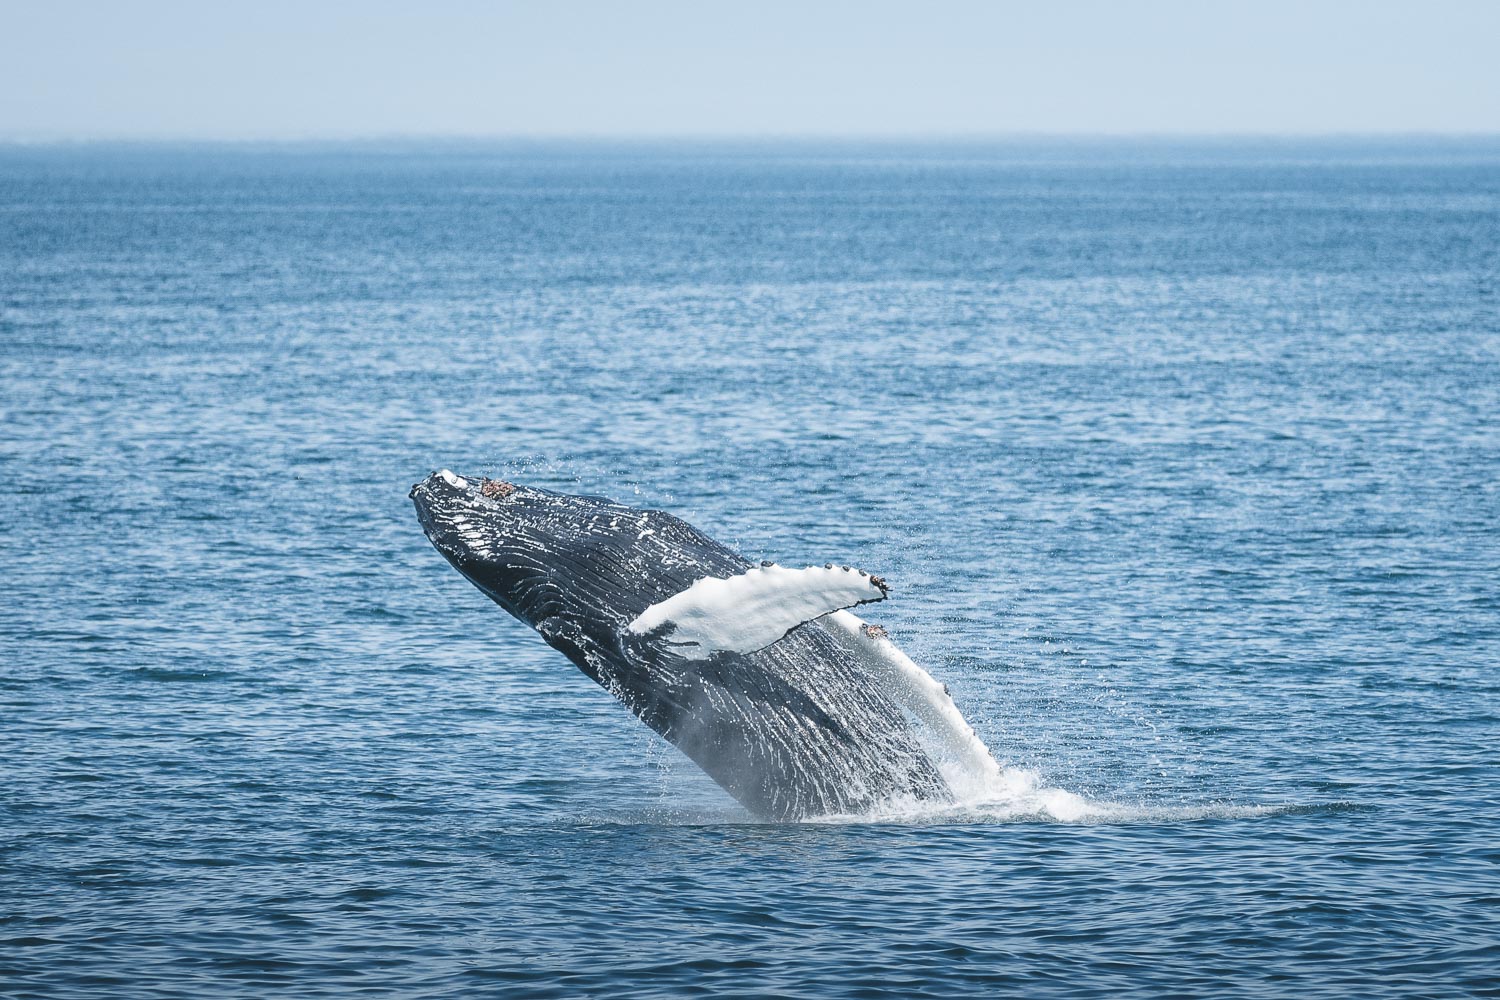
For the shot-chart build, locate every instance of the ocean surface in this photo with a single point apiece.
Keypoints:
(1182, 459)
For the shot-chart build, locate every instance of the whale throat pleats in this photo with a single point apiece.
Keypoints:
(748, 612)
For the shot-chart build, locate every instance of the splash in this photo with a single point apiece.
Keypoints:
(1018, 795)
(984, 790)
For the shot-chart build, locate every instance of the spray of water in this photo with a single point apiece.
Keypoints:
(983, 790)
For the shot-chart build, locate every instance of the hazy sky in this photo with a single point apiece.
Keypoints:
(278, 69)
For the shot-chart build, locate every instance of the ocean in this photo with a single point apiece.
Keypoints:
(1181, 457)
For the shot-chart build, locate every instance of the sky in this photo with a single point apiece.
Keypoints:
(156, 69)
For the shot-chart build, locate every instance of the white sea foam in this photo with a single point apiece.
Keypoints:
(1020, 795)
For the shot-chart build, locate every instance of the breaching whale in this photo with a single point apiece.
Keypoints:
(757, 672)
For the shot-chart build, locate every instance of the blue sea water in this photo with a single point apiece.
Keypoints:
(1181, 456)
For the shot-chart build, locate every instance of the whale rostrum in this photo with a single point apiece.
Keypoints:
(758, 673)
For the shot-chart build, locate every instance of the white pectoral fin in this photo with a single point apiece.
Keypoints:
(751, 611)
(913, 688)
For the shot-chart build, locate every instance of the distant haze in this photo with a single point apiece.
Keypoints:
(287, 70)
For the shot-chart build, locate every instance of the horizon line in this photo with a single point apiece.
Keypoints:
(711, 138)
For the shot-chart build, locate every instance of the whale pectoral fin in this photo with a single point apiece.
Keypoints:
(911, 687)
(751, 611)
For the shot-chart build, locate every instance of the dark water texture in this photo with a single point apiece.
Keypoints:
(1182, 458)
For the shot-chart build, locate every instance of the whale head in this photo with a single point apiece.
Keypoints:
(540, 554)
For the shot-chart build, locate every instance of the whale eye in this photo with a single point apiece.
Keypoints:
(496, 489)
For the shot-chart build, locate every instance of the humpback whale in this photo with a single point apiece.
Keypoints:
(757, 672)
